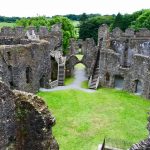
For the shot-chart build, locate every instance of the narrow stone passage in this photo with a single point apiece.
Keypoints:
(80, 76)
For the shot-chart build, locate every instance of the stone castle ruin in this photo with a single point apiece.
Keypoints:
(27, 62)
(120, 60)
(31, 59)
(124, 60)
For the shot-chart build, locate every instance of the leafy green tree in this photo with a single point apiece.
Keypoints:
(126, 21)
(67, 28)
(143, 21)
(89, 28)
(118, 22)
(83, 17)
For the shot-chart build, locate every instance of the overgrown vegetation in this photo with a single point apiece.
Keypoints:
(142, 21)
(84, 119)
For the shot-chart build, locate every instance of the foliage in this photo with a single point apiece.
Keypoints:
(89, 28)
(118, 22)
(67, 27)
(143, 21)
(79, 17)
(83, 17)
(84, 119)
(9, 19)
(138, 19)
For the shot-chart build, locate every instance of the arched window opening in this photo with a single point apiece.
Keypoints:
(28, 75)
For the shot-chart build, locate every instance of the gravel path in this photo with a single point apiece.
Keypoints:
(79, 78)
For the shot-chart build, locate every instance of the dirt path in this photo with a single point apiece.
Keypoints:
(80, 76)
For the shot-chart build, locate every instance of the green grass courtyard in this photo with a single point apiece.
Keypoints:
(84, 119)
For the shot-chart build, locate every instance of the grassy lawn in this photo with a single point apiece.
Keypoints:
(84, 119)
(79, 56)
(80, 66)
(84, 84)
(2, 24)
(69, 80)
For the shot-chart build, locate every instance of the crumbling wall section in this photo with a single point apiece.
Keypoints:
(11, 36)
(34, 123)
(139, 73)
(7, 117)
(130, 43)
(124, 58)
(90, 51)
(73, 47)
(25, 122)
(70, 63)
(24, 65)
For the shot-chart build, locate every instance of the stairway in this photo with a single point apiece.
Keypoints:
(61, 74)
(94, 79)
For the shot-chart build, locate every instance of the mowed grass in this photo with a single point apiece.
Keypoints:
(79, 56)
(84, 84)
(84, 119)
(69, 80)
(2, 24)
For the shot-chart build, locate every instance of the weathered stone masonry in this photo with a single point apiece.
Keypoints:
(125, 60)
(25, 122)
(27, 64)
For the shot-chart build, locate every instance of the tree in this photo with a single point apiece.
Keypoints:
(83, 17)
(126, 21)
(118, 22)
(143, 21)
(89, 28)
